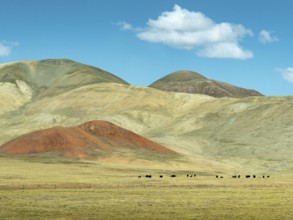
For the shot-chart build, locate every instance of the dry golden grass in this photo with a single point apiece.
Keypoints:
(67, 189)
(148, 203)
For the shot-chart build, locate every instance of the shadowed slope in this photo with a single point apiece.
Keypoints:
(191, 82)
(98, 137)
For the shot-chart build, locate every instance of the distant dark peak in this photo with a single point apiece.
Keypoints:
(183, 75)
(192, 82)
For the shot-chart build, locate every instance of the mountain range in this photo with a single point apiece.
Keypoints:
(243, 131)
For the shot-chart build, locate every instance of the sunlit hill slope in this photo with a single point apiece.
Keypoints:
(251, 133)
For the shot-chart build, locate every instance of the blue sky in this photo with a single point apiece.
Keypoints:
(247, 43)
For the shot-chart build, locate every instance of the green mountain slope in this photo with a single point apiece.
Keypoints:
(54, 76)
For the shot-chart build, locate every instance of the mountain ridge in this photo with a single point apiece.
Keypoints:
(54, 76)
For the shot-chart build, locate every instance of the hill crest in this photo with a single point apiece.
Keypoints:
(54, 76)
(192, 82)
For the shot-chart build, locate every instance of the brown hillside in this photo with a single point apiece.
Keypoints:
(76, 142)
(191, 82)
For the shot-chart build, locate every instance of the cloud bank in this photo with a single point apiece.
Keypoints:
(184, 29)
(287, 74)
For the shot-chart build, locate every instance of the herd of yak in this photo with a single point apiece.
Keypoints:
(217, 176)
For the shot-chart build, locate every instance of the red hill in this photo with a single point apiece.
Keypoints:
(77, 142)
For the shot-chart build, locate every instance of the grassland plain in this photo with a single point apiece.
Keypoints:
(34, 188)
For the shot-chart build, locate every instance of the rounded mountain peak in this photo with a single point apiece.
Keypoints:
(192, 82)
(55, 76)
(181, 76)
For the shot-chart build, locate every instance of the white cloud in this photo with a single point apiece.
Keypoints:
(5, 49)
(124, 25)
(287, 74)
(186, 29)
(225, 50)
(267, 37)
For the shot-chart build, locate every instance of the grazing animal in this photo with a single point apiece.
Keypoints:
(268, 176)
(191, 175)
(161, 176)
(263, 176)
(235, 176)
(217, 176)
(148, 176)
(139, 176)
(238, 176)
(254, 176)
(173, 176)
(221, 177)
(247, 176)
